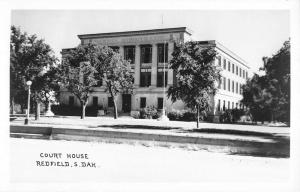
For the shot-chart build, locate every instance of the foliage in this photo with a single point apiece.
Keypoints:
(231, 115)
(196, 75)
(270, 93)
(115, 73)
(184, 116)
(149, 112)
(30, 58)
(78, 72)
(74, 110)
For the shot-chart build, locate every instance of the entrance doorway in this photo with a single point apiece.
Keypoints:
(126, 103)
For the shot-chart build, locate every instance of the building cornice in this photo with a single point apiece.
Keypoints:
(136, 33)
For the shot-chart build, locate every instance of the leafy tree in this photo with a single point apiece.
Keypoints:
(196, 75)
(270, 93)
(115, 73)
(83, 67)
(78, 73)
(30, 57)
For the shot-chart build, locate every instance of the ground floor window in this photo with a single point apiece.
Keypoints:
(95, 101)
(160, 102)
(219, 105)
(143, 102)
(71, 100)
(110, 102)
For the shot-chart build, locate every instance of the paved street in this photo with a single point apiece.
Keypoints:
(129, 163)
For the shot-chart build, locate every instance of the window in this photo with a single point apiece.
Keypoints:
(232, 88)
(232, 105)
(129, 53)
(243, 73)
(224, 105)
(160, 78)
(71, 100)
(95, 101)
(246, 74)
(145, 77)
(220, 83)
(237, 70)
(228, 84)
(163, 53)
(143, 102)
(110, 102)
(224, 83)
(236, 105)
(229, 65)
(146, 54)
(237, 88)
(219, 105)
(219, 61)
(228, 105)
(224, 63)
(241, 89)
(160, 102)
(240, 72)
(232, 68)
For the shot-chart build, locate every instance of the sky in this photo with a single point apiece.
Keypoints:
(251, 34)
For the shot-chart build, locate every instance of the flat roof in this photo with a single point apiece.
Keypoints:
(133, 33)
(225, 50)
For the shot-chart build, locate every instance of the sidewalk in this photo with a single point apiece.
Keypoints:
(274, 140)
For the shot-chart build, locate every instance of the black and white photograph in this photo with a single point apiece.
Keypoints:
(151, 99)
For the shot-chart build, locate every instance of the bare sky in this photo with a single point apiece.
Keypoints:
(250, 34)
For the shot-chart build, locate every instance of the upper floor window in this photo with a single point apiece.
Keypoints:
(246, 75)
(240, 72)
(160, 78)
(219, 61)
(243, 73)
(229, 65)
(129, 54)
(232, 68)
(145, 77)
(228, 84)
(224, 83)
(163, 53)
(146, 56)
(224, 63)
(237, 70)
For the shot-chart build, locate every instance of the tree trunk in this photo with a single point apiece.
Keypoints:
(115, 108)
(198, 114)
(83, 105)
(37, 110)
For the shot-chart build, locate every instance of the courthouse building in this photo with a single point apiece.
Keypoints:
(149, 52)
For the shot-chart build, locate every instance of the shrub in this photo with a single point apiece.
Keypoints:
(184, 116)
(67, 110)
(149, 112)
(231, 115)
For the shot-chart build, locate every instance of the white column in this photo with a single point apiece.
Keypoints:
(154, 66)
(170, 71)
(137, 65)
(121, 51)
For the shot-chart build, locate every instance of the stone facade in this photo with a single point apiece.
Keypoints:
(153, 48)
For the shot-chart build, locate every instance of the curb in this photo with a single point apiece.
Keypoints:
(277, 149)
